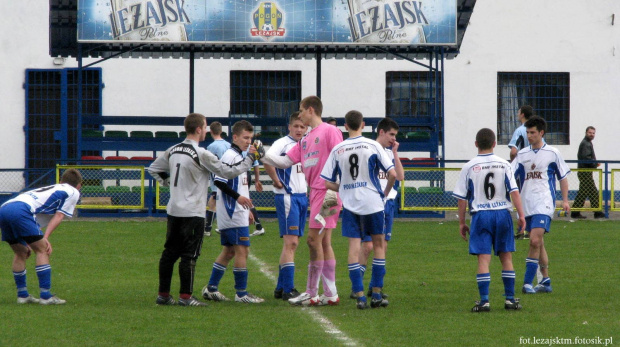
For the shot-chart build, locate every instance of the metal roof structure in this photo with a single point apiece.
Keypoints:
(63, 42)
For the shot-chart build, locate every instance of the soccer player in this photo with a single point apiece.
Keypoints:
(217, 147)
(387, 129)
(22, 220)
(356, 163)
(291, 201)
(484, 184)
(538, 166)
(186, 168)
(312, 152)
(233, 216)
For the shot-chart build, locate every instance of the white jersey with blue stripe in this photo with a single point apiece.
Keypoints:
(51, 199)
(486, 183)
(229, 213)
(537, 170)
(383, 178)
(292, 178)
(357, 162)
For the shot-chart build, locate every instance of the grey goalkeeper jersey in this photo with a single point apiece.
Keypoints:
(187, 168)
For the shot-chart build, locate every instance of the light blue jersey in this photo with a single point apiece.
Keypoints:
(217, 147)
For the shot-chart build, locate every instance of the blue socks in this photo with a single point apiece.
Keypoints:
(531, 265)
(484, 280)
(378, 272)
(508, 277)
(20, 282)
(286, 278)
(216, 274)
(241, 280)
(355, 274)
(44, 273)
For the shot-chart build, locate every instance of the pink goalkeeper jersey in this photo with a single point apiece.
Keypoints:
(313, 150)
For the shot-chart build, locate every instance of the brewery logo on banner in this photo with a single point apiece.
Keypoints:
(148, 20)
(267, 20)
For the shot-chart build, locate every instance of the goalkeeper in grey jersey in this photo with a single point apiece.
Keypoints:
(187, 168)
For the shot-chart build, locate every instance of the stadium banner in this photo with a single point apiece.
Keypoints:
(283, 22)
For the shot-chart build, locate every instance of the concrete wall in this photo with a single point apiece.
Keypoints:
(504, 35)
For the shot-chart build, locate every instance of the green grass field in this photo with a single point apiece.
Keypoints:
(107, 272)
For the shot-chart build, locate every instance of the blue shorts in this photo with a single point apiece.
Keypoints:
(358, 226)
(235, 236)
(390, 207)
(291, 210)
(538, 221)
(17, 222)
(491, 229)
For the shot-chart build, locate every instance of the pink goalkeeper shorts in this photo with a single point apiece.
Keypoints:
(316, 201)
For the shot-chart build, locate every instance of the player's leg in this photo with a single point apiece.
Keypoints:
(537, 224)
(480, 245)
(328, 274)
(352, 229)
(22, 252)
(374, 224)
(259, 227)
(191, 231)
(291, 211)
(210, 291)
(365, 251)
(210, 213)
(44, 272)
(242, 250)
(544, 285)
(504, 245)
(286, 276)
(169, 256)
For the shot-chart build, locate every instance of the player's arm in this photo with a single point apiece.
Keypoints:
(228, 171)
(513, 153)
(564, 189)
(242, 200)
(279, 161)
(515, 197)
(257, 183)
(160, 170)
(390, 181)
(398, 166)
(463, 228)
(51, 226)
(332, 186)
(271, 171)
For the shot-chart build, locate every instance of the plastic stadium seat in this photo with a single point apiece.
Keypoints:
(368, 135)
(224, 135)
(419, 135)
(116, 157)
(142, 158)
(92, 133)
(137, 189)
(183, 134)
(92, 190)
(424, 162)
(92, 157)
(430, 190)
(116, 133)
(118, 189)
(411, 190)
(163, 189)
(166, 134)
(400, 135)
(144, 134)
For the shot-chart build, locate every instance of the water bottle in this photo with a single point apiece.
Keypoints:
(562, 213)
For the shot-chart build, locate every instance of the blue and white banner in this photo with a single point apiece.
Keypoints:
(320, 22)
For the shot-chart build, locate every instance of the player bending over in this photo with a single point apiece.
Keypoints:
(356, 163)
(484, 185)
(22, 220)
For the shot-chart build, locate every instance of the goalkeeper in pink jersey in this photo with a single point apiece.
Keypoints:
(312, 152)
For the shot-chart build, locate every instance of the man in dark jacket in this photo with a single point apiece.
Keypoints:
(587, 189)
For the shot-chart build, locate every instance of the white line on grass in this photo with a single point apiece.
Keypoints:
(325, 323)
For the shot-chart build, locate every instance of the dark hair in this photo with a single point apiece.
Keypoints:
(314, 102)
(72, 177)
(216, 128)
(331, 119)
(294, 117)
(387, 124)
(590, 127)
(240, 126)
(485, 138)
(193, 121)
(354, 119)
(527, 111)
(536, 122)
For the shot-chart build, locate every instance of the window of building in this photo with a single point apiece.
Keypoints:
(547, 92)
(411, 94)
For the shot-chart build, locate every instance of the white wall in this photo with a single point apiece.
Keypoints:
(504, 35)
